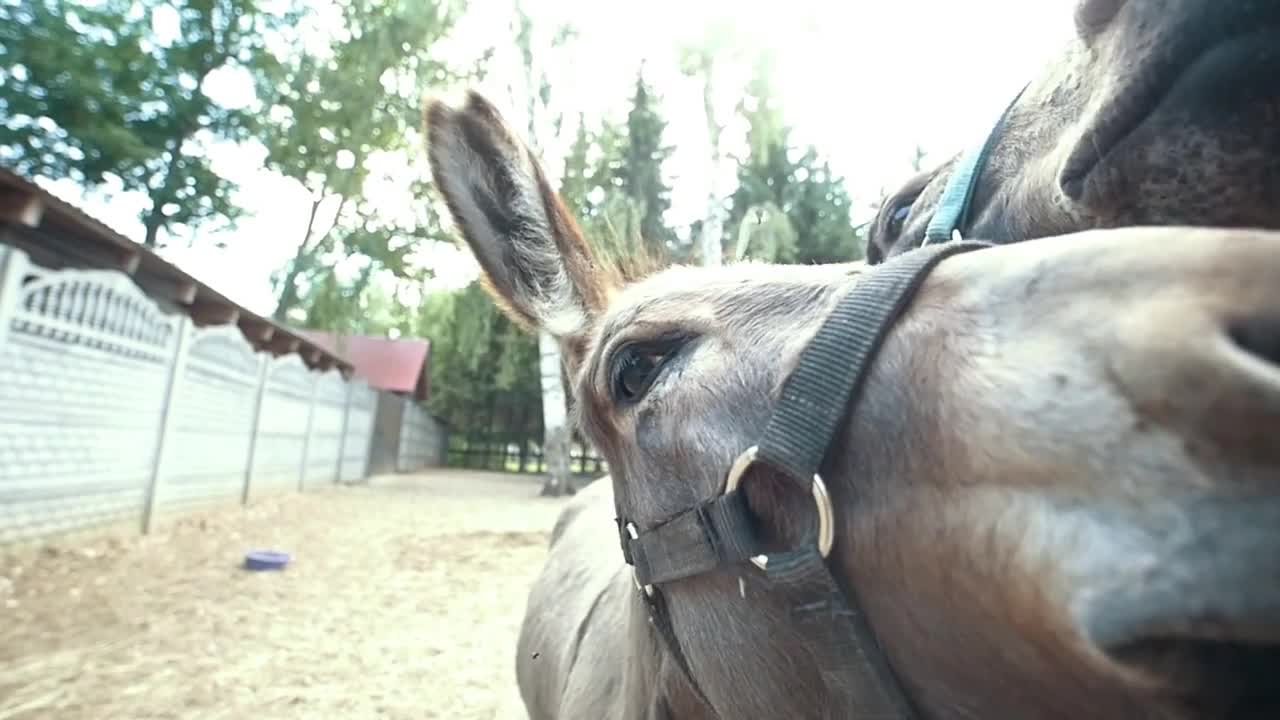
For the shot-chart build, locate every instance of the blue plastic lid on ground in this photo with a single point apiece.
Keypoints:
(265, 560)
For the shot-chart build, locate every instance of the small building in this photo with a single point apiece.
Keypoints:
(406, 436)
(398, 365)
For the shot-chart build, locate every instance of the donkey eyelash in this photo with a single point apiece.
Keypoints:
(626, 356)
(898, 218)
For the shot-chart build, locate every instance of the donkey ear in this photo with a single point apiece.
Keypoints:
(536, 262)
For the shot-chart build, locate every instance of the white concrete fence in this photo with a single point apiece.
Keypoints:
(114, 411)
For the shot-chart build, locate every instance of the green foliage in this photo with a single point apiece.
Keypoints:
(591, 187)
(639, 168)
(812, 198)
(789, 206)
(359, 305)
(333, 112)
(482, 364)
(91, 91)
(580, 177)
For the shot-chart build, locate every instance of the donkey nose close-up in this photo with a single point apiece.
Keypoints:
(1199, 353)
(1191, 340)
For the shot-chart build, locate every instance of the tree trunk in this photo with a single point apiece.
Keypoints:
(555, 445)
(288, 294)
(713, 222)
(289, 288)
(524, 438)
(154, 219)
(493, 441)
(152, 225)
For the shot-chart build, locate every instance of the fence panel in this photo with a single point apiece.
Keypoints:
(207, 446)
(324, 447)
(84, 364)
(281, 445)
(359, 431)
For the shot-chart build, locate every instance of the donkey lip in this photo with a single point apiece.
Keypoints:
(1200, 618)
(1210, 679)
(1209, 71)
(1210, 572)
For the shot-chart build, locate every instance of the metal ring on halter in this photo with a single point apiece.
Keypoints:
(635, 577)
(821, 500)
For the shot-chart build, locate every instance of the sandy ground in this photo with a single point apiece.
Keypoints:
(403, 600)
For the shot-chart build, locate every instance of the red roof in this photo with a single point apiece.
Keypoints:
(398, 365)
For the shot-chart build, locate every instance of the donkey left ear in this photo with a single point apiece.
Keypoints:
(537, 264)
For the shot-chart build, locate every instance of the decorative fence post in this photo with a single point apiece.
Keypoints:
(254, 427)
(13, 266)
(176, 363)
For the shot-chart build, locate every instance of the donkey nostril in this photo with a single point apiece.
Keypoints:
(1259, 337)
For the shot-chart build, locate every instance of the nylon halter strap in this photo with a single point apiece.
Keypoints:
(722, 533)
(952, 213)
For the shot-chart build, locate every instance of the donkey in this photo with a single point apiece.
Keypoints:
(1057, 497)
(1158, 112)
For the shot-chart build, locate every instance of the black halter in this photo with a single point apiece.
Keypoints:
(816, 397)
(722, 532)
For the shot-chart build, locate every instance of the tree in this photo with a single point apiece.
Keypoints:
(479, 359)
(579, 180)
(611, 220)
(357, 306)
(918, 157)
(93, 91)
(789, 205)
(810, 196)
(543, 126)
(704, 59)
(334, 112)
(640, 167)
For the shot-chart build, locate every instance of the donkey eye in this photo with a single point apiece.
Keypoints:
(897, 219)
(636, 367)
(636, 370)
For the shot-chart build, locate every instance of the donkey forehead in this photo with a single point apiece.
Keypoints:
(704, 298)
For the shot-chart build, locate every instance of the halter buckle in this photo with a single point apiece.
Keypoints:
(821, 501)
(955, 237)
(635, 577)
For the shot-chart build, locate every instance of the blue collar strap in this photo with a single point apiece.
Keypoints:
(953, 208)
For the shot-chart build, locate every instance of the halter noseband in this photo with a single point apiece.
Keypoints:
(815, 399)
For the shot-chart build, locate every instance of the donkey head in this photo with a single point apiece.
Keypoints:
(1059, 493)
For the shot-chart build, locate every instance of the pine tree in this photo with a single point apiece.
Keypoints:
(640, 170)
(789, 206)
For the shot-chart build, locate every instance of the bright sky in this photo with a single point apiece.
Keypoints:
(863, 81)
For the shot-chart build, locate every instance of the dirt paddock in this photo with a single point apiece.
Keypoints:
(402, 600)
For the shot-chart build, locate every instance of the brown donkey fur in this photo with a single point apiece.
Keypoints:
(1058, 496)
(1158, 112)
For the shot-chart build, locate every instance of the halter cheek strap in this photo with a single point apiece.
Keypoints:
(952, 213)
(722, 532)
